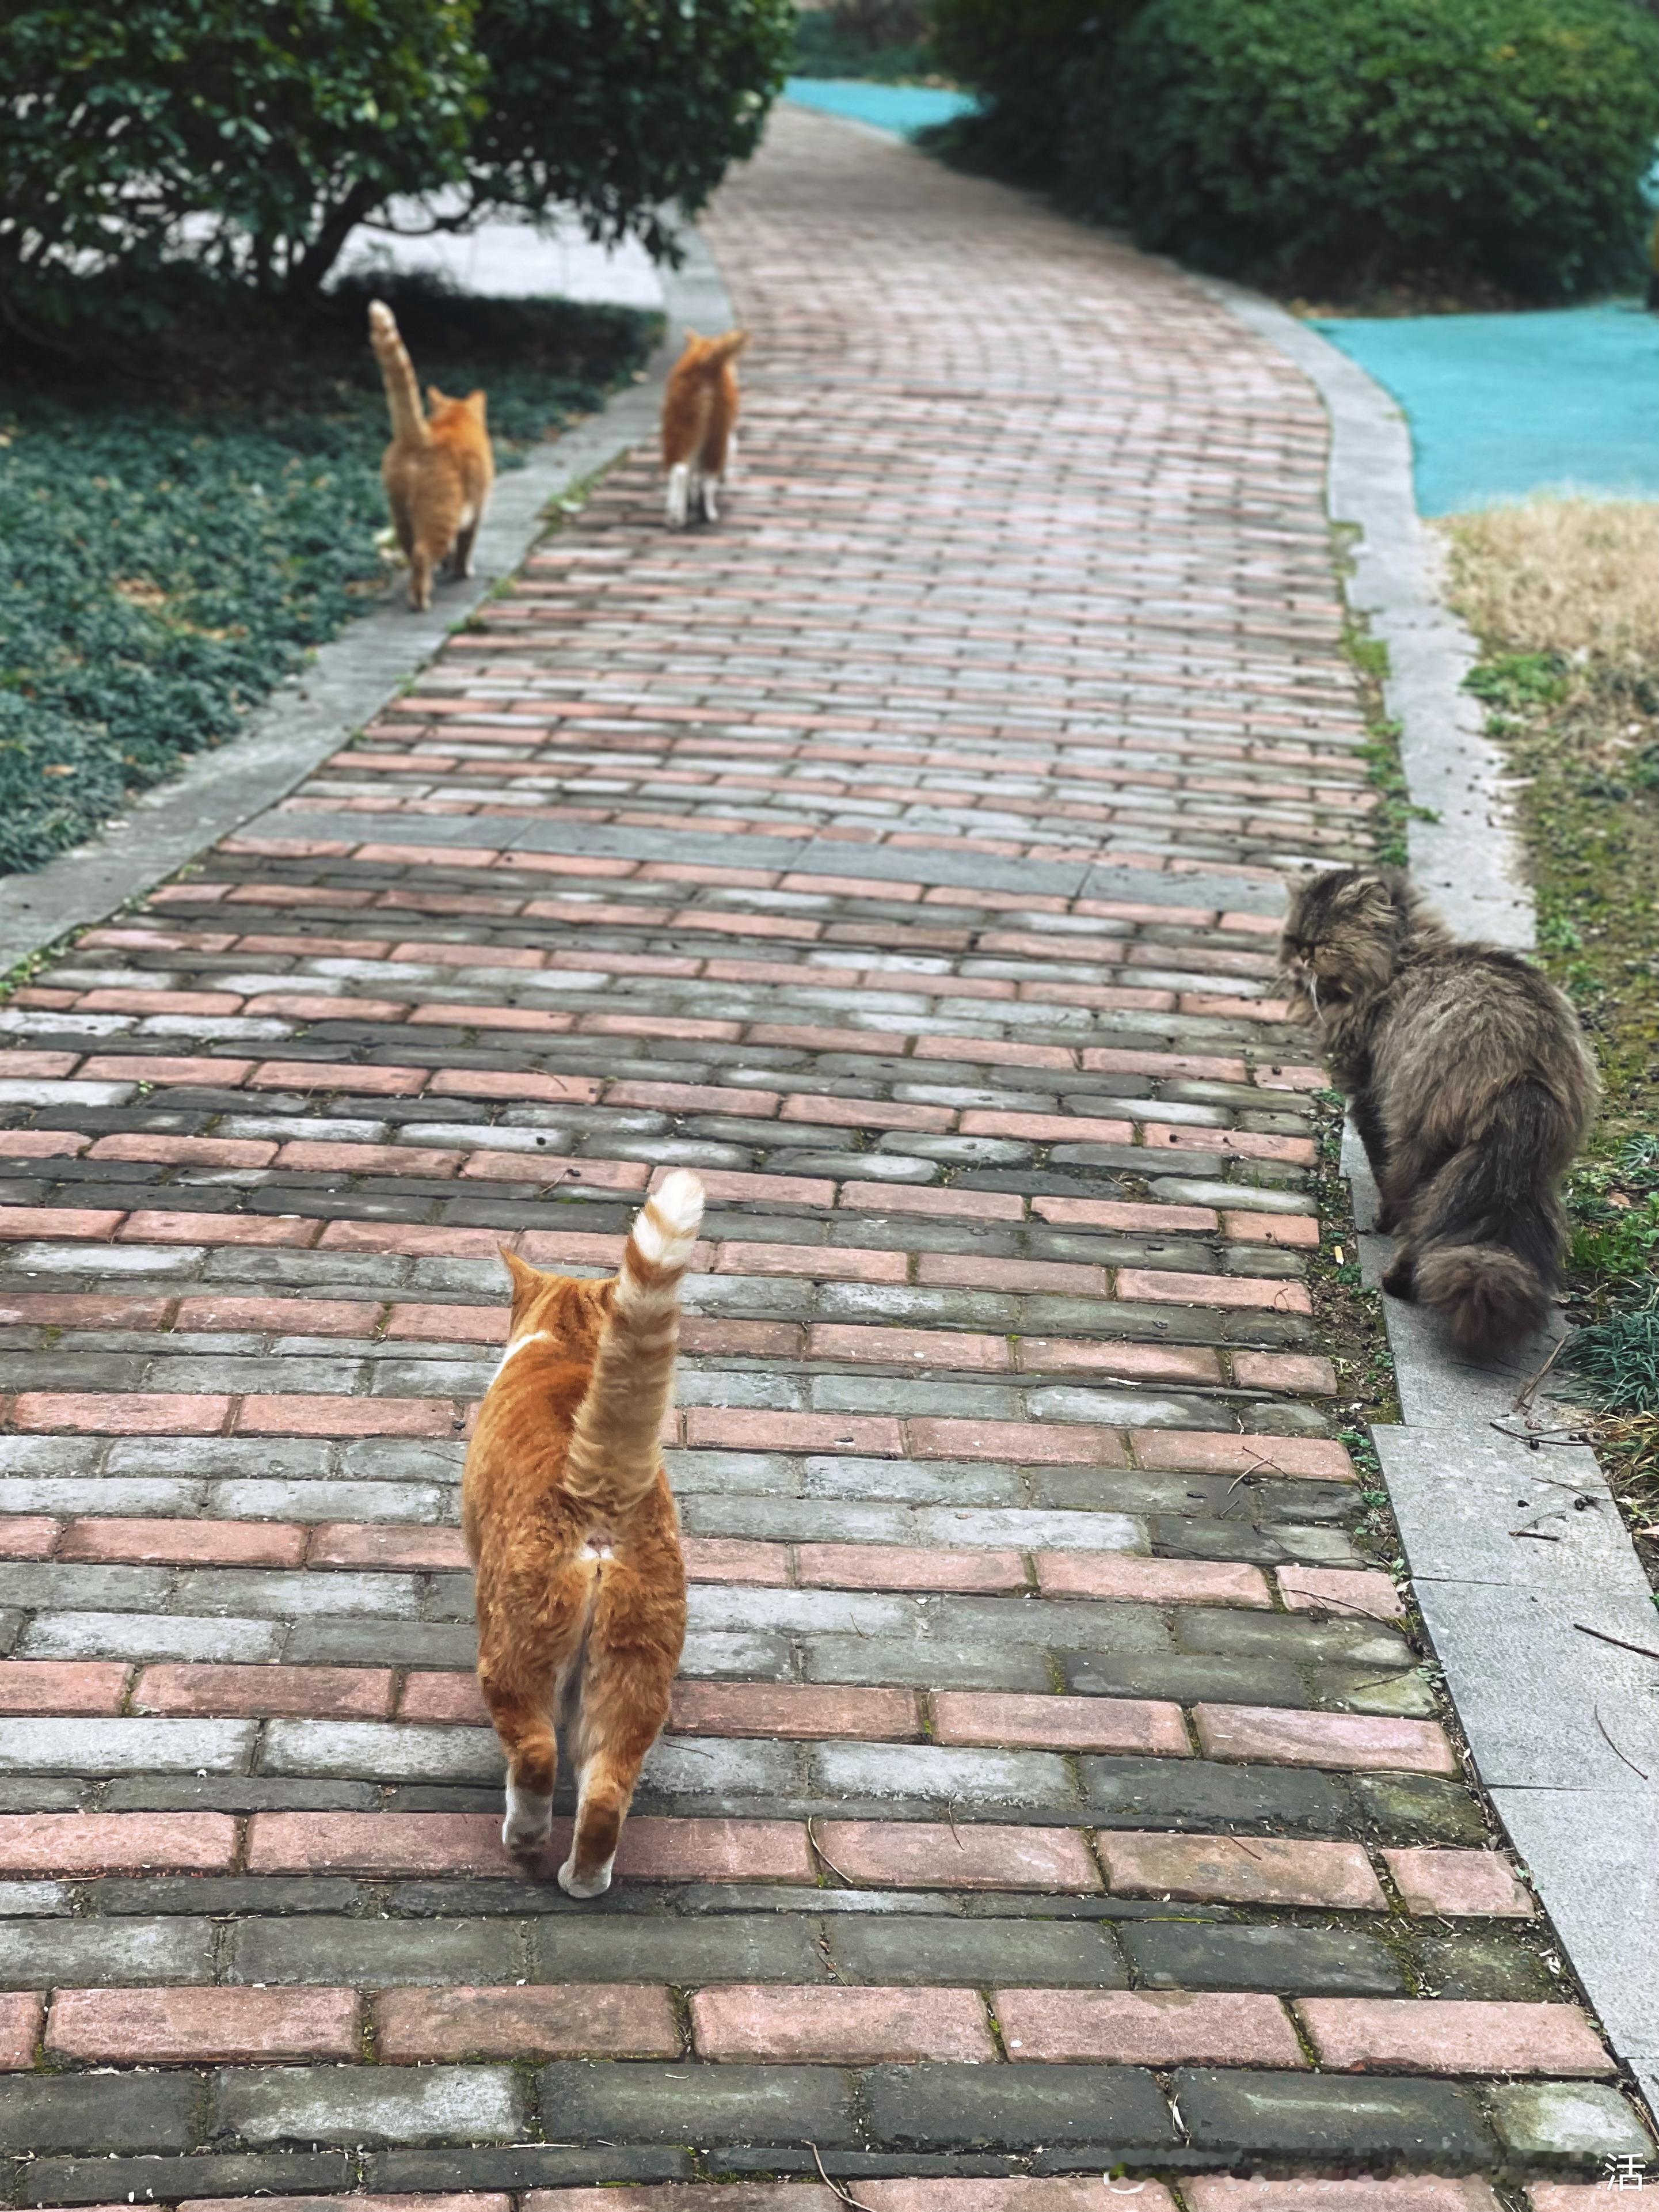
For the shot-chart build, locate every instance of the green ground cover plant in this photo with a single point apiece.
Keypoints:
(170, 548)
(1563, 595)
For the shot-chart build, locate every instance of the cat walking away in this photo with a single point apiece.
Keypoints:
(1470, 1085)
(699, 409)
(438, 469)
(567, 1516)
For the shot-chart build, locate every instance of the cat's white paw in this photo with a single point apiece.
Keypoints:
(571, 1886)
(529, 1821)
(710, 513)
(679, 496)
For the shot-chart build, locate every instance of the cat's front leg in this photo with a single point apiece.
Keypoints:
(1400, 1281)
(1368, 1128)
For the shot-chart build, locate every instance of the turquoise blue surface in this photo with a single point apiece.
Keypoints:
(1502, 405)
(901, 108)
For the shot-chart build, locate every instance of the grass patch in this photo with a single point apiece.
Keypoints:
(1563, 595)
(176, 533)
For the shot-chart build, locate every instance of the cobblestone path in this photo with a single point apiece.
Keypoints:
(1050, 1781)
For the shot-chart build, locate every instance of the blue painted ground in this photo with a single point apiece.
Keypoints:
(1502, 405)
(903, 109)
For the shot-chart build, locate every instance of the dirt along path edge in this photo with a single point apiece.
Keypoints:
(1564, 1723)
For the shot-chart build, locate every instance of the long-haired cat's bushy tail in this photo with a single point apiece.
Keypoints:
(615, 1448)
(403, 392)
(1490, 1244)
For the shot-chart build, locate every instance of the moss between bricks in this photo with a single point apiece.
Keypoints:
(167, 556)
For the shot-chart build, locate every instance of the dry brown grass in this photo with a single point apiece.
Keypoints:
(1574, 576)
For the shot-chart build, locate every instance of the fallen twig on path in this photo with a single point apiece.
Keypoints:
(1613, 1747)
(812, 1838)
(1524, 1395)
(1600, 1635)
(835, 2187)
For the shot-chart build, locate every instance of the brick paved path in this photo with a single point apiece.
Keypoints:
(902, 855)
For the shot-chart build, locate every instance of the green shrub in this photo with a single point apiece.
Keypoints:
(1339, 143)
(1020, 58)
(252, 139)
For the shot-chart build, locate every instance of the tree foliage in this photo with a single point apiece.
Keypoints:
(251, 136)
(616, 106)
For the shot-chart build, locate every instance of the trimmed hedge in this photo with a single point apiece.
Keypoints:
(1328, 144)
(1019, 58)
(1340, 143)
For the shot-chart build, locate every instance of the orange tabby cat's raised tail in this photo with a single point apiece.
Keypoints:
(403, 392)
(615, 1450)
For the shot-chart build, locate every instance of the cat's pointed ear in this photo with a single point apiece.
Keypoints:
(435, 398)
(525, 1277)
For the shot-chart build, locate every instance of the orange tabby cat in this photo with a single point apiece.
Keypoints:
(568, 1517)
(438, 469)
(698, 410)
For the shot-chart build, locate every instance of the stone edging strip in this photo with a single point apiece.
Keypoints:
(1526, 1578)
(315, 711)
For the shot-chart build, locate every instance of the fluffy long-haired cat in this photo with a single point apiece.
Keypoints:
(439, 467)
(699, 409)
(568, 1517)
(1471, 1086)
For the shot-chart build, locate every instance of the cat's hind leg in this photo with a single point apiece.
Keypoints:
(420, 579)
(679, 495)
(707, 486)
(609, 1757)
(460, 559)
(526, 1729)
(624, 1704)
(523, 1656)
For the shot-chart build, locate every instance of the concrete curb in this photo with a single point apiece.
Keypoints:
(310, 715)
(1522, 1567)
